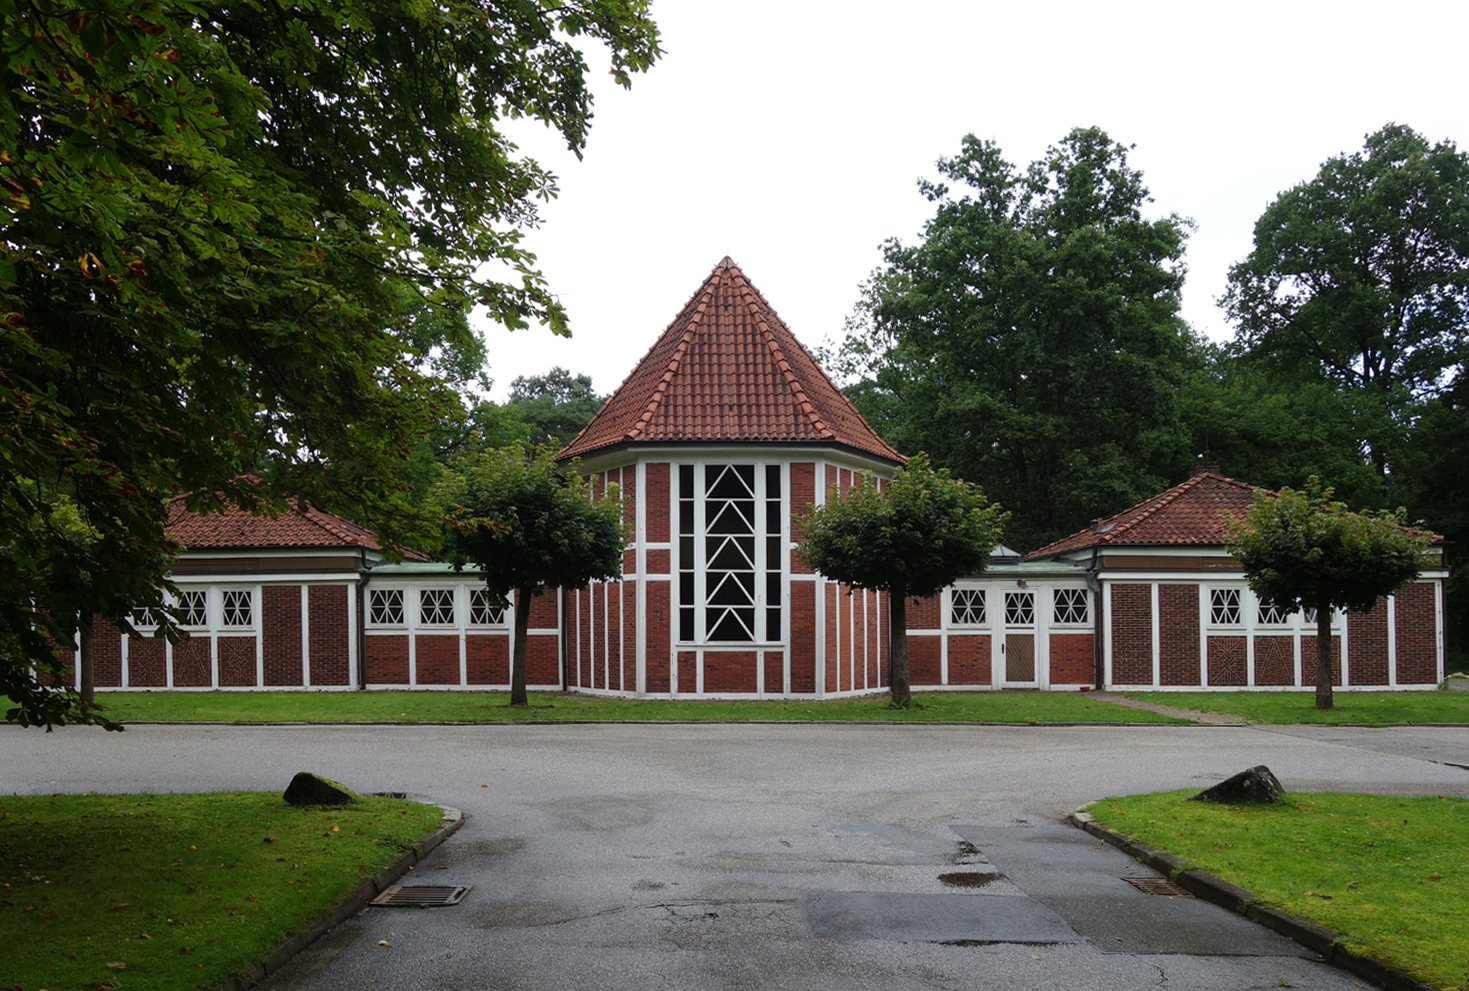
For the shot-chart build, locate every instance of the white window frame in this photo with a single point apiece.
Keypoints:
(226, 594)
(1240, 606)
(422, 594)
(976, 597)
(402, 621)
(1085, 606)
(479, 590)
(183, 609)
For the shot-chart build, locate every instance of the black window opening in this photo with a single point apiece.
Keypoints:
(731, 553)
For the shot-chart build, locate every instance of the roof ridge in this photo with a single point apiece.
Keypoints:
(1159, 501)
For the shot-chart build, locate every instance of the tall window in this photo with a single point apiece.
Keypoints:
(730, 553)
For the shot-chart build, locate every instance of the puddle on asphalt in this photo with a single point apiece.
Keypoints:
(969, 879)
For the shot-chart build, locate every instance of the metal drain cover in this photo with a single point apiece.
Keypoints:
(422, 895)
(1157, 886)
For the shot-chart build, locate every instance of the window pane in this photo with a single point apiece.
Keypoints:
(481, 613)
(1224, 606)
(385, 606)
(1071, 605)
(192, 611)
(236, 608)
(1019, 608)
(967, 608)
(436, 606)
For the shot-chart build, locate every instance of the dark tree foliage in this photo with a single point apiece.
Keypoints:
(1302, 550)
(557, 405)
(908, 537)
(221, 228)
(527, 526)
(1031, 340)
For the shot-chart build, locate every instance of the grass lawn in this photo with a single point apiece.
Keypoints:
(493, 707)
(1300, 707)
(177, 891)
(1388, 873)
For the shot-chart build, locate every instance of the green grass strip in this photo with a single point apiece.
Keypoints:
(1369, 708)
(177, 891)
(1388, 873)
(493, 707)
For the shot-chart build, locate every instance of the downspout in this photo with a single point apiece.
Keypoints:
(365, 570)
(1099, 667)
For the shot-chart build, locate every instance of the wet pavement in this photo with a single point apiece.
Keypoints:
(772, 856)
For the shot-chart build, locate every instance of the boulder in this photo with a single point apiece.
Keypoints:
(1257, 786)
(312, 789)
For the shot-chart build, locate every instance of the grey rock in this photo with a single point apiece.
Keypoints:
(313, 789)
(1257, 786)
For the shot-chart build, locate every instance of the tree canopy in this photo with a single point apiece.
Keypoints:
(908, 537)
(1300, 549)
(1031, 340)
(221, 228)
(527, 526)
(557, 405)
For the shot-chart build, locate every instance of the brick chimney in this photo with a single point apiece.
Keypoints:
(1203, 468)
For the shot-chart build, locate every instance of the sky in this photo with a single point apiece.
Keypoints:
(790, 137)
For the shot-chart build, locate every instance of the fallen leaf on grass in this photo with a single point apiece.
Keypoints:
(118, 906)
(117, 965)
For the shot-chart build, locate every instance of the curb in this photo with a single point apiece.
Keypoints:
(351, 905)
(1327, 942)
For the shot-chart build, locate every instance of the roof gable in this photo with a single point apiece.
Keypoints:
(727, 369)
(1195, 513)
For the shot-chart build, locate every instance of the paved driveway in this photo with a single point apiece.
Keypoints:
(770, 856)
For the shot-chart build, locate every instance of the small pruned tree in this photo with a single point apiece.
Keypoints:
(528, 525)
(908, 537)
(1300, 550)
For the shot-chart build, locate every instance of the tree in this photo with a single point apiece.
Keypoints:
(221, 225)
(1360, 277)
(1031, 340)
(557, 405)
(908, 537)
(528, 527)
(1300, 550)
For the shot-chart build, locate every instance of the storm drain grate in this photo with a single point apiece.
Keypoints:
(422, 895)
(1157, 886)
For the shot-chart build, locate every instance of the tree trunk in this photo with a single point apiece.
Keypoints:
(898, 648)
(1323, 655)
(87, 685)
(517, 656)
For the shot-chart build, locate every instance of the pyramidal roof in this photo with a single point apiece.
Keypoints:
(726, 370)
(1192, 513)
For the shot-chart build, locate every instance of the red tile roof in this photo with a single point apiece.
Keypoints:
(233, 527)
(1194, 513)
(728, 369)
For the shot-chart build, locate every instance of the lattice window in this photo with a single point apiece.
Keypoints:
(385, 606)
(1071, 605)
(436, 606)
(967, 607)
(481, 612)
(1224, 607)
(1269, 614)
(1020, 608)
(731, 553)
(193, 608)
(144, 619)
(236, 607)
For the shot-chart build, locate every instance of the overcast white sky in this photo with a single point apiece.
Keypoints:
(789, 134)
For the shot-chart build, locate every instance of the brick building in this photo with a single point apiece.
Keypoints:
(718, 439)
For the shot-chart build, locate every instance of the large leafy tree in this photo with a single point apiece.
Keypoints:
(221, 224)
(528, 526)
(1301, 549)
(1031, 340)
(1360, 277)
(907, 537)
(557, 404)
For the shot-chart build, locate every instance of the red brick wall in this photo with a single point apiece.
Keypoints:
(688, 671)
(885, 639)
(628, 484)
(655, 513)
(1275, 661)
(729, 672)
(924, 654)
(803, 494)
(280, 631)
(1417, 635)
(191, 663)
(147, 663)
(543, 610)
(581, 640)
(775, 672)
(1367, 645)
(236, 661)
(1178, 634)
(436, 658)
(387, 659)
(487, 658)
(330, 641)
(627, 671)
(803, 637)
(1308, 659)
(876, 607)
(925, 614)
(969, 658)
(106, 655)
(542, 659)
(1073, 660)
(658, 562)
(1228, 662)
(657, 642)
(834, 648)
(1132, 634)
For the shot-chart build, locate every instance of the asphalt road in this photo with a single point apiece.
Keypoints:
(770, 856)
